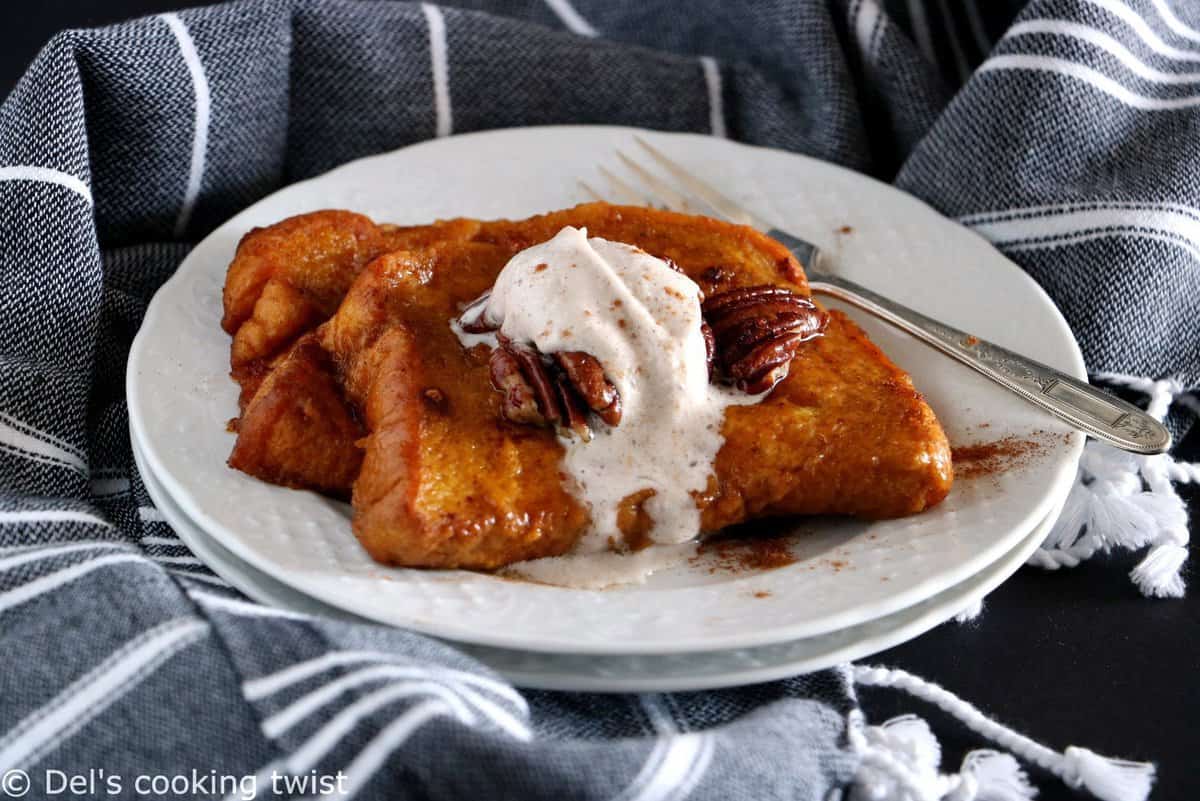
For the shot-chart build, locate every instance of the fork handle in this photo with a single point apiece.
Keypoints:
(1082, 405)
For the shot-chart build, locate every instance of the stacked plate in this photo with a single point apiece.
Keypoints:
(854, 587)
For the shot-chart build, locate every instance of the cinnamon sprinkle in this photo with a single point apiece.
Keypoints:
(997, 456)
(729, 555)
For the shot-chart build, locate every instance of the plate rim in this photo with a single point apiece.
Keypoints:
(988, 579)
(1063, 477)
(925, 621)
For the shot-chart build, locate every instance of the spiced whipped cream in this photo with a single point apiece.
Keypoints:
(640, 319)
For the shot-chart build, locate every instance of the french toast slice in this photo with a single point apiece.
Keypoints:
(288, 278)
(446, 482)
(297, 429)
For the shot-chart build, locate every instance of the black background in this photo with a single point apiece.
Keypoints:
(1071, 658)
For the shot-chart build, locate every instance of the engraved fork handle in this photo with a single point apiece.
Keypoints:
(1082, 405)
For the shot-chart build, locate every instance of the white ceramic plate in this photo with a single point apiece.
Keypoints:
(702, 670)
(848, 572)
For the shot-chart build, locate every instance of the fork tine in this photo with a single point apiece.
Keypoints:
(723, 205)
(674, 199)
(592, 193)
(624, 191)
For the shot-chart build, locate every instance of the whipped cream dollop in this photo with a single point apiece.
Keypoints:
(640, 318)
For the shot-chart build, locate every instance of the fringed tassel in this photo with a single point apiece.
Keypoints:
(901, 758)
(969, 613)
(996, 777)
(1125, 501)
(1108, 779)
(1159, 574)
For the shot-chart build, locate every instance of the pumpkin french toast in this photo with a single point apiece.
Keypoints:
(460, 454)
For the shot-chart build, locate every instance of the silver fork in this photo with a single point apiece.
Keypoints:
(1082, 405)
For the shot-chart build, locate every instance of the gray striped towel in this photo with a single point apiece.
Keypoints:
(1069, 141)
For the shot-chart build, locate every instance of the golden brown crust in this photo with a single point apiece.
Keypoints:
(701, 242)
(288, 278)
(445, 482)
(298, 430)
(845, 433)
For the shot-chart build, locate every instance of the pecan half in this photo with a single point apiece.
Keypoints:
(520, 403)
(710, 346)
(757, 331)
(558, 391)
(585, 375)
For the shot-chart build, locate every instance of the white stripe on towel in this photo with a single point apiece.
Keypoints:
(716, 103)
(659, 717)
(207, 579)
(38, 553)
(92, 693)
(673, 769)
(169, 541)
(1051, 229)
(1143, 30)
(31, 443)
(187, 49)
(1045, 210)
(697, 769)
(46, 175)
(53, 516)
(30, 590)
(1100, 39)
(148, 514)
(45, 436)
(242, 608)
(281, 721)
(440, 65)
(866, 17)
(177, 560)
(571, 18)
(1091, 236)
(263, 686)
(364, 766)
(1173, 22)
(1098, 80)
(312, 750)
(648, 771)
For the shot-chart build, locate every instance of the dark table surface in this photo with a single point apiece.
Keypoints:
(1071, 658)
